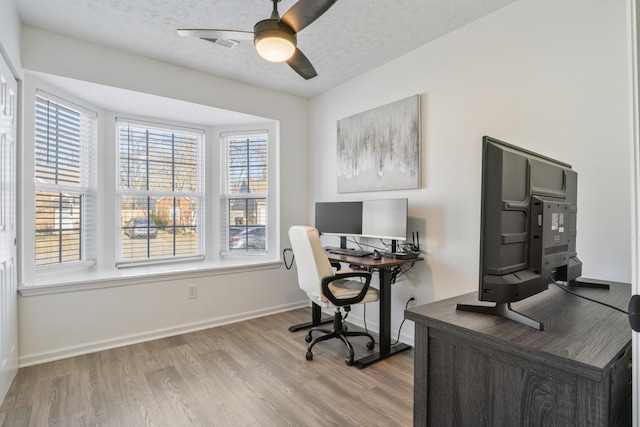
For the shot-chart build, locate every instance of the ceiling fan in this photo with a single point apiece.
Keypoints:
(275, 38)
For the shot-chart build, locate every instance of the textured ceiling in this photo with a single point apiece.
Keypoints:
(353, 37)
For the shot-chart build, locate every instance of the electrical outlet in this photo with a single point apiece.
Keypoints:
(192, 292)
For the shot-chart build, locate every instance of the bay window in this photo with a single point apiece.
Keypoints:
(104, 194)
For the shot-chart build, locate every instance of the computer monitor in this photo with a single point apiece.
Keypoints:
(528, 227)
(339, 219)
(385, 219)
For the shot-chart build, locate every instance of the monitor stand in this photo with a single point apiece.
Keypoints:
(586, 283)
(502, 309)
(343, 242)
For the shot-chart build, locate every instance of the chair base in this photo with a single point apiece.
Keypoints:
(339, 331)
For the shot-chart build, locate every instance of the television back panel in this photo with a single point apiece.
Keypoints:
(512, 247)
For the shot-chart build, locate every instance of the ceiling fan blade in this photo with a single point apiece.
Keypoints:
(301, 65)
(304, 12)
(216, 34)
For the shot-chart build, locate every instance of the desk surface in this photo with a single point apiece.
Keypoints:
(588, 334)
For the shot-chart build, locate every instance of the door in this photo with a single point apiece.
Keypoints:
(8, 279)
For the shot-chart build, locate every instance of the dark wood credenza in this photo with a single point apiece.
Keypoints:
(475, 369)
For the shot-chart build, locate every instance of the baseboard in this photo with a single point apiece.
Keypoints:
(87, 348)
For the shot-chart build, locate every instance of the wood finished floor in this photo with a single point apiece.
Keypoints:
(252, 373)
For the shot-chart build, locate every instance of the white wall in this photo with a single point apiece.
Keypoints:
(61, 324)
(10, 35)
(546, 75)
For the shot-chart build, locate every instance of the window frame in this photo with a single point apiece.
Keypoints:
(226, 197)
(85, 189)
(199, 194)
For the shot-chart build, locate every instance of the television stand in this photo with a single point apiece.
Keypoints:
(475, 370)
(502, 309)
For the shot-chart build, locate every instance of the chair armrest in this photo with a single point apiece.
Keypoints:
(346, 301)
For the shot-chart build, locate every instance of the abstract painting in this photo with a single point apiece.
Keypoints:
(379, 149)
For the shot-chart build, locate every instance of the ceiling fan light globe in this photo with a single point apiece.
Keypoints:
(274, 40)
(275, 49)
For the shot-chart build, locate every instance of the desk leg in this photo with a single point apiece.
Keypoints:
(386, 349)
(316, 319)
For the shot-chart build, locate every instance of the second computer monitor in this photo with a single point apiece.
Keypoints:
(385, 219)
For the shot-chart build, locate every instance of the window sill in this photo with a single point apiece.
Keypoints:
(138, 275)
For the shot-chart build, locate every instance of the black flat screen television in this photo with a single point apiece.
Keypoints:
(528, 228)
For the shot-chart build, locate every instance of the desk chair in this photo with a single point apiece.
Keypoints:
(327, 288)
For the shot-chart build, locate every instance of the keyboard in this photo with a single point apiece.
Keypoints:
(350, 252)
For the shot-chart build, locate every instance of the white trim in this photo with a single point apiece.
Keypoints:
(66, 267)
(78, 350)
(244, 133)
(158, 261)
(66, 103)
(634, 108)
(160, 126)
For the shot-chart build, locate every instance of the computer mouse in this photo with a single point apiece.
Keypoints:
(376, 254)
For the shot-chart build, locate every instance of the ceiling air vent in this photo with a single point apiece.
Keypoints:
(229, 44)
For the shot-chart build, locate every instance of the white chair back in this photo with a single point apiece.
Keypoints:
(311, 261)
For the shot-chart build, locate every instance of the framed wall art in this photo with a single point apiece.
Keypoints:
(379, 149)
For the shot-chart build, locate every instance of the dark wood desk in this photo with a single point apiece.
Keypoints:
(480, 369)
(384, 267)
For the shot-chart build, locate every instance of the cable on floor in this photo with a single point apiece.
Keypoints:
(402, 323)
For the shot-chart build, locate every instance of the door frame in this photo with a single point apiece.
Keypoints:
(633, 11)
(9, 352)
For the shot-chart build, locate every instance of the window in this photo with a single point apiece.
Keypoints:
(65, 143)
(104, 192)
(244, 193)
(160, 192)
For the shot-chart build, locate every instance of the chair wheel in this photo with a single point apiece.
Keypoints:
(309, 355)
(371, 345)
(307, 338)
(349, 361)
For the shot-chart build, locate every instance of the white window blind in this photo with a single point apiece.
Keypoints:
(160, 192)
(245, 192)
(65, 144)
